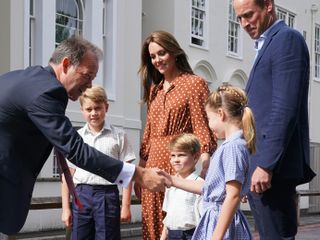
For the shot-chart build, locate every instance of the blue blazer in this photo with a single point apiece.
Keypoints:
(278, 95)
(32, 121)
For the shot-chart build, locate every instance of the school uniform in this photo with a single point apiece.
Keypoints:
(182, 211)
(230, 162)
(100, 216)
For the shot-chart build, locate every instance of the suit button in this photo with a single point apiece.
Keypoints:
(120, 181)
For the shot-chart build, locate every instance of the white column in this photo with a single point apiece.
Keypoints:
(45, 15)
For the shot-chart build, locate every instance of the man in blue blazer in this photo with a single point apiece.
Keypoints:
(32, 121)
(278, 95)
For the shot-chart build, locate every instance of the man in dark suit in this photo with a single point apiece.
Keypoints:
(32, 121)
(278, 95)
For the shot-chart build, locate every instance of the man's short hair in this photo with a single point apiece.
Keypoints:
(261, 3)
(74, 48)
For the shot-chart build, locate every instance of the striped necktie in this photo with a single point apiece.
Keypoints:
(63, 168)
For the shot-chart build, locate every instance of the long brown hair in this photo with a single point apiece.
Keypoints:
(147, 71)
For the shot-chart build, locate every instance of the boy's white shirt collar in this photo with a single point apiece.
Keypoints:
(192, 176)
(106, 126)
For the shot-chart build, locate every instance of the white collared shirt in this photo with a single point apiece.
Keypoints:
(258, 44)
(183, 208)
(113, 142)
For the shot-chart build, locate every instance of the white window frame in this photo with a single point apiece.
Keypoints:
(236, 38)
(110, 9)
(39, 32)
(199, 6)
(317, 52)
(287, 16)
(291, 20)
(55, 167)
(31, 39)
(78, 29)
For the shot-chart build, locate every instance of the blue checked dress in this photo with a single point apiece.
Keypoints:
(229, 162)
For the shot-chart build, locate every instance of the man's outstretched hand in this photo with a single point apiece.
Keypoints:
(153, 179)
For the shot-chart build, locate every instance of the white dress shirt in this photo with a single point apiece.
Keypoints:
(183, 208)
(113, 142)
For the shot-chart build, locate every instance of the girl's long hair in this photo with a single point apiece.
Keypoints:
(234, 101)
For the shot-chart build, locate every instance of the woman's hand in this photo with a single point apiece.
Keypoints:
(205, 160)
(125, 214)
(137, 190)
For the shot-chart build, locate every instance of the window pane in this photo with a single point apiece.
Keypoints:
(198, 22)
(233, 31)
(69, 18)
(286, 16)
(291, 20)
(31, 33)
(317, 51)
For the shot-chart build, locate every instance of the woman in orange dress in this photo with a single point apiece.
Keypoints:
(175, 99)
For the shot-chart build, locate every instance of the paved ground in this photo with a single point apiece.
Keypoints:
(309, 229)
(307, 232)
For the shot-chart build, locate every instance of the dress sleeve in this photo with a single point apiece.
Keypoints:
(235, 163)
(199, 94)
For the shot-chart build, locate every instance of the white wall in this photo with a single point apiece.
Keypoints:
(157, 15)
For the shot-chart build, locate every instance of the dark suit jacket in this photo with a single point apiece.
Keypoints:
(278, 95)
(32, 121)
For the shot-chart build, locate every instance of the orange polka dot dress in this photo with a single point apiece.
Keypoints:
(179, 110)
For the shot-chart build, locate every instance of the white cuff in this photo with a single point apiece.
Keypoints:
(125, 175)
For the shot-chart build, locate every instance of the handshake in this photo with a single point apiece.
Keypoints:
(152, 178)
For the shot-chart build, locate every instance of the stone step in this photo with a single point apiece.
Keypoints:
(131, 231)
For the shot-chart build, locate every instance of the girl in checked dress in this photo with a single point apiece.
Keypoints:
(227, 180)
